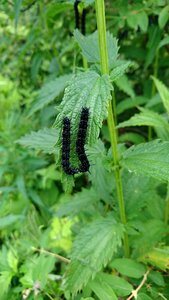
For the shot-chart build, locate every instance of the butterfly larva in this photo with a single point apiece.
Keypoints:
(81, 138)
(77, 18)
(66, 142)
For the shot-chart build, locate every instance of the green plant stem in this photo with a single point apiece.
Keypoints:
(155, 73)
(85, 64)
(101, 25)
(114, 108)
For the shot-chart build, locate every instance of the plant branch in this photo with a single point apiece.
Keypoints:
(101, 25)
(155, 74)
(135, 292)
(62, 258)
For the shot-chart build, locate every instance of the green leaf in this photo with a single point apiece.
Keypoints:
(37, 269)
(163, 91)
(17, 8)
(128, 267)
(150, 234)
(90, 47)
(80, 202)
(158, 257)
(101, 178)
(118, 71)
(124, 84)
(35, 65)
(151, 159)
(143, 21)
(132, 20)
(49, 92)
(12, 261)
(153, 44)
(164, 41)
(9, 220)
(157, 278)
(120, 286)
(87, 89)
(132, 137)
(142, 296)
(44, 140)
(149, 118)
(5, 281)
(88, 298)
(102, 289)
(145, 118)
(163, 17)
(138, 195)
(89, 255)
(129, 103)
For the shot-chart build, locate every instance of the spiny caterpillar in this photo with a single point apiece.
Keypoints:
(81, 137)
(66, 148)
(80, 143)
(77, 17)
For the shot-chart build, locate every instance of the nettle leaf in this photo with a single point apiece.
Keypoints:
(149, 236)
(101, 178)
(89, 255)
(79, 202)
(132, 137)
(138, 196)
(163, 91)
(124, 85)
(151, 159)
(145, 118)
(49, 92)
(90, 47)
(44, 140)
(118, 71)
(128, 267)
(130, 102)
(148, 118)
(87, 89)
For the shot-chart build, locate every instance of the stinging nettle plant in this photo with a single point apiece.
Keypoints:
(99, 242)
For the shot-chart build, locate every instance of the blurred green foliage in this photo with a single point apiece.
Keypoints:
(39, 54)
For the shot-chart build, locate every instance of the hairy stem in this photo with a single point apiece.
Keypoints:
(155, 73)
(101, 25)
(85, 64)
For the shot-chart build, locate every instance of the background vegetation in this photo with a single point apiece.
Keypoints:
(43, 212)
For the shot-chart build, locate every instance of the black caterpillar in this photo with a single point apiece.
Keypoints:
(80, 143)
(81, 137)
(66, 142)
(77, 17)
